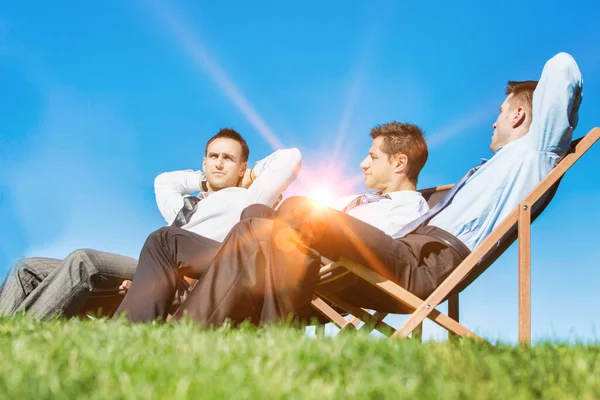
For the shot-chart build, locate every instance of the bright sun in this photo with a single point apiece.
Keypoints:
(322, 196)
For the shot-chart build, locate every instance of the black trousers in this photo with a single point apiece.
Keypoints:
(169, 253)
(245, 282)
(417, 262)
(267, 270)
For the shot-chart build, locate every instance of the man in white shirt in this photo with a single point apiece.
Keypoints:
(45, 287)
(198, 224)
(251, 279)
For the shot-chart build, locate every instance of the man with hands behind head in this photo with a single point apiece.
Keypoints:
(47, 287)
(198, 224)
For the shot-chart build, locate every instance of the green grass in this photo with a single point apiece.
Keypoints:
(104, 359)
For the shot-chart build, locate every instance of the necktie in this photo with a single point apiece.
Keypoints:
(435, 210)
(190, 203)
(365, 199)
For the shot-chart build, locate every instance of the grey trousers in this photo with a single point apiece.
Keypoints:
(48, 287)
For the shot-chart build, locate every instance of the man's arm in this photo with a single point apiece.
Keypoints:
(170, 187)
(556, 104)
(272, 175)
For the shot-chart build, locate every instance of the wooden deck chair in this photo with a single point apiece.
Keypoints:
(398, 300)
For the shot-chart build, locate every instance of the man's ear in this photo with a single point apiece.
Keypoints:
(243, 169)
(400, 163)
(204, 165)
(519, 117)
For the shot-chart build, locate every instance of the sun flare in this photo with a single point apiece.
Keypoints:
(322, 196)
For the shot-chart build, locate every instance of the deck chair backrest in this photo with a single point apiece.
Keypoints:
(435, 194)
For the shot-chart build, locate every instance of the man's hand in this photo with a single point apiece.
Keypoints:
(248, 178)
(125, 285)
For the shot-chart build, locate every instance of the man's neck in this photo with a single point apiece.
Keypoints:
(404, 185)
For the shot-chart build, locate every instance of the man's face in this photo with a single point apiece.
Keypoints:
(378, 167)
(223, 165)
(503, 126)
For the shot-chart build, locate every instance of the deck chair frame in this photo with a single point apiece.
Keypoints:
(518, 221)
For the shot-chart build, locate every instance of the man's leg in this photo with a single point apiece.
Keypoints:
(168, 254)
(417, 262)
(24, 277)
(67, 288)
(334, 234)
(234, 281)
(242, 283)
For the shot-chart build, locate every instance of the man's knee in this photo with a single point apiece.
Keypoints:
(257, 211)
(24, 270)
(161, 235)
(81, 260)
(295, 205)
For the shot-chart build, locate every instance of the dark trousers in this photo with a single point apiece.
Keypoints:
(417, 262)
(244, 281)
(267, 270)
(168, 254)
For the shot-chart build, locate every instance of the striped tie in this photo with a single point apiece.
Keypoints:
(365, 199)
(190, 203)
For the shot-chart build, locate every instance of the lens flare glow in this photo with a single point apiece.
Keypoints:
(322, 196)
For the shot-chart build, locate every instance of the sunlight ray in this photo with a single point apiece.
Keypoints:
(201, 56)
(462, 125)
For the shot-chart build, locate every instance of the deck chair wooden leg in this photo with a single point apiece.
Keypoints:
(355, 321)
(453, 313)
(417, 333)
(328, 311)
(376, 322)
(359, 315)
(320, 330)
(422, 309)
(524, 228)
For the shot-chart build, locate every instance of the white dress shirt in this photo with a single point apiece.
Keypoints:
(389, 215)
(220, 211)
(492, 192)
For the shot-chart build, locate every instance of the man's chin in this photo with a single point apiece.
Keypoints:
(217, 184)
(369, 186)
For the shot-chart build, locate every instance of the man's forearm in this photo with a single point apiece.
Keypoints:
(169, 188)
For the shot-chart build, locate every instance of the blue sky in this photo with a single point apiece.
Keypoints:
(97, 99)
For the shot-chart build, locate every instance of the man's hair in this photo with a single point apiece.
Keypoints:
(522, 94)
(229, 133)
(403, 138)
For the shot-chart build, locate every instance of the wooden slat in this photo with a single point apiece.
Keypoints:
(378, 324)
(406, 298)
(557, 172)
(524, 273)
(428, 306)
(320, 331)
(444, 187)
(453, 311)
(358, 313)
(417, 334)
(325, 309)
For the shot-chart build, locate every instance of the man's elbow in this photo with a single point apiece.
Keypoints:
(161, 180)
(563, 64)
(295, 159)
(295, 156)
